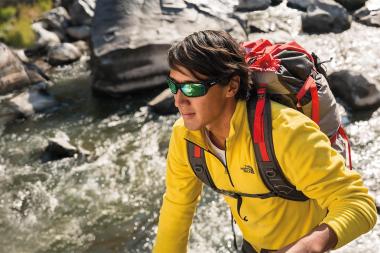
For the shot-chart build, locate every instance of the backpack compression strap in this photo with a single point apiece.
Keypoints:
(260, 122)
(196, 156)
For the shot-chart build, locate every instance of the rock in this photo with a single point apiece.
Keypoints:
(125, 59)
(325, 16)
(252, 5)
(355, 90)
(377, 201)
(82, 46)
(44, 37)
(14, 74)
(275, 2)
(64, 53)
(368, 17)
(82, 12)
(351, 5)
(59, 147)
(274, 19)
(301, 5)
(56, 20)
(163, 104)
(79, 32)
(34, 100)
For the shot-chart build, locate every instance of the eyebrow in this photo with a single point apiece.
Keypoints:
(186, 81)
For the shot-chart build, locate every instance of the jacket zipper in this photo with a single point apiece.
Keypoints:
(224, 165)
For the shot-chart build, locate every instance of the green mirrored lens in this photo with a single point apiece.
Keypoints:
(193, 89)
(172, 86)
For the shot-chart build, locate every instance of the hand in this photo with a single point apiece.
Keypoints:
(321, 239)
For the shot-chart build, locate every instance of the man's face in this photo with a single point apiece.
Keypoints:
(197, 112)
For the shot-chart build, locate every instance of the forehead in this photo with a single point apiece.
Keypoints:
(181, 74)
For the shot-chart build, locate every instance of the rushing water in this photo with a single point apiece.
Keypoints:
(109, 201)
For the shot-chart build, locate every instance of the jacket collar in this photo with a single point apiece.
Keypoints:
(198, 137)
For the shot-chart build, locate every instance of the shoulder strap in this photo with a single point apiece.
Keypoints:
(196, 156)
(260, 123)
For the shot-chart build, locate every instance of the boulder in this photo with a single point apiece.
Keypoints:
(82, 12)
(14, 74)
(352, 5)
(44, 37)
(355, 90)
(301, 5)
(64, 53)
(59, 147)
(275, 2)
(325, 16)
(79, 32)
(367, 16)
(274, 19)
(56, 20)
(252, 5)
(163, 104)
(34, 100)
(125, 59)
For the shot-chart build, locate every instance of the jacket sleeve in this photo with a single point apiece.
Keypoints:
(179, 202)
(319, 172)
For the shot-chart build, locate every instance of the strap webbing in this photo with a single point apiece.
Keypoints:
(310, 85)
(345, 137)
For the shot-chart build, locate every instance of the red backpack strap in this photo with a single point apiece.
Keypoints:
(345, 137)
(310, 85)
(260, 122)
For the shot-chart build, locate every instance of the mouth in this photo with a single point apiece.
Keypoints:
(187, 115)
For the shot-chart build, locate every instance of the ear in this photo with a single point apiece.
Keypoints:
(233, 86)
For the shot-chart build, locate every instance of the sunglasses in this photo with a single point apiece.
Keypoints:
(191, 89)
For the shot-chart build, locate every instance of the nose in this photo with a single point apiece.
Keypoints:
(180, 99)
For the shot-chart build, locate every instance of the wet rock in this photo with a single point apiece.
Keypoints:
(351, 5)
(14, 74)
(56, 20)
(355, 90)
(163, 104)
(252, 5)
(325, 16)
(59, 147)
(34, 100)
(275, 2)
(64, 53)
(301, 5)
(377, 204)
(368, 17)
(82, 46)
(44, 37)
(79, 32)
(124, 59)
(82, 12)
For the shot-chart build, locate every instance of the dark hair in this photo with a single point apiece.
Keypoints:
(214, 54)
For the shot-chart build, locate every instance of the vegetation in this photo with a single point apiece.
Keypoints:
(16, 19)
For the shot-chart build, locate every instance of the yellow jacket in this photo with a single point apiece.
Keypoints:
(337, 195)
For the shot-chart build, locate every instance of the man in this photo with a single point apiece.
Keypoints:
(210, 81)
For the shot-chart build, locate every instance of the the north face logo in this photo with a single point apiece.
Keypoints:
(248, 169)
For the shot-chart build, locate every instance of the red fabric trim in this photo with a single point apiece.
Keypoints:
(310, 85)
(314, 102)
(197, 152)
(345, 137)
(258, 124)
(292, 46)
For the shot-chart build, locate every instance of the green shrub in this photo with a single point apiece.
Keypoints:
(7, 13)
(15, 22)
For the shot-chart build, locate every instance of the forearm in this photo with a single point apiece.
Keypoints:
(320, 239)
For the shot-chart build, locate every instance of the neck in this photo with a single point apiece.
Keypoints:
(219, 131)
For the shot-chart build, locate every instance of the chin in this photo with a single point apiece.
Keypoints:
(192, 127)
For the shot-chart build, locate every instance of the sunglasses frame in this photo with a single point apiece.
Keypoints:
(179, 86)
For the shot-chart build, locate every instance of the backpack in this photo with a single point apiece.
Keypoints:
(288, 74)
